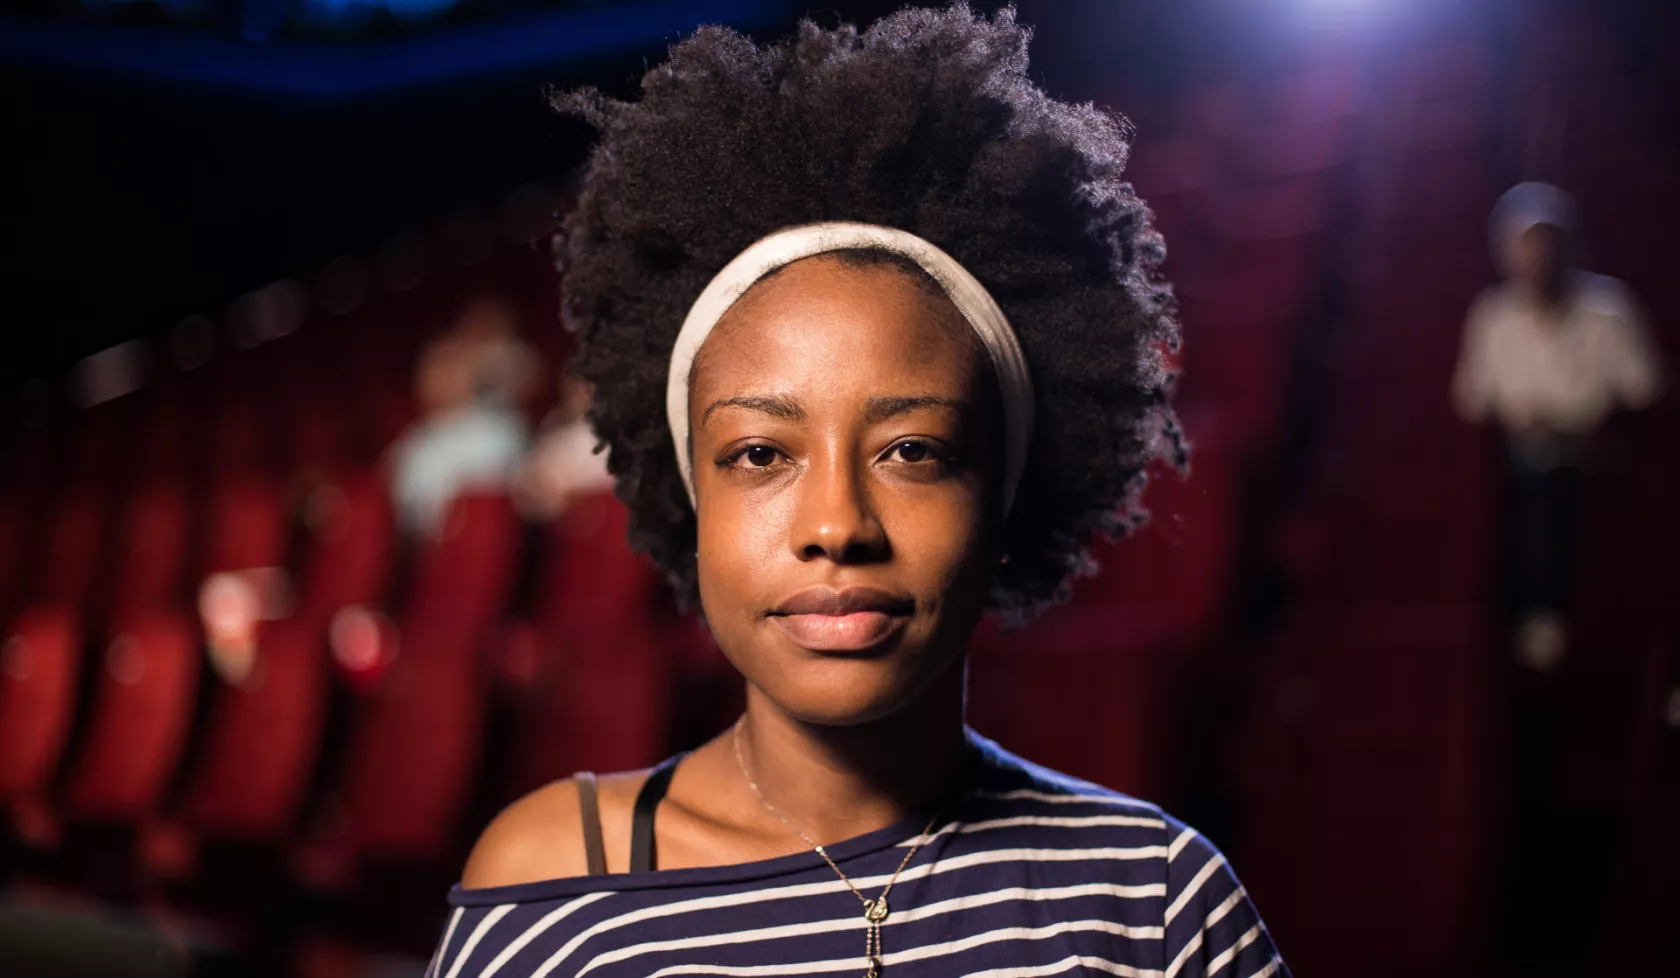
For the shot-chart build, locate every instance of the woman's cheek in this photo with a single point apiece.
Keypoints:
(738, 543)
(945, 531)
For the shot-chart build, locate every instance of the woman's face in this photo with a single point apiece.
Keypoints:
(843, 465)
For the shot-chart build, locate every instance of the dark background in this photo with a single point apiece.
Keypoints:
(148, 151)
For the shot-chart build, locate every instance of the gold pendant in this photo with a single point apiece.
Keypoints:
(874, 911)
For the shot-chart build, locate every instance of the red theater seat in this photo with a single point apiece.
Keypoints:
(40, 660)
(414, 743)
(461, 578)
(241, 440)
(247, 526)
(414, 750)
(319, 433)
(352, 534)
(261, 739)
(602, 697)
(154, 534)
(69, 557)
(592, 580)
(148, 676)
(263, 735)
(390, 409)
(604, 706)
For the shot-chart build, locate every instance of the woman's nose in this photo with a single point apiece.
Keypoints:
(836, 517)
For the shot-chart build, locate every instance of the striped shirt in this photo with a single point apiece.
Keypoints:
(1030, 873)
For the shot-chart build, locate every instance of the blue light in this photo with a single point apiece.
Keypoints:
(344, 15)
(304, 70)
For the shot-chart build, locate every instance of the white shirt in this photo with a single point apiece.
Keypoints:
(477, 447)
(1565, 369)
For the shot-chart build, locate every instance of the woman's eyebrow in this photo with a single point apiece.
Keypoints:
(881, 408)
(775, 405)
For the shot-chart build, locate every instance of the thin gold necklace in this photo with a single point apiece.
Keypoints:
(874, 911)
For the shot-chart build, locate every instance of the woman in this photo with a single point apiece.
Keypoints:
(877, 340)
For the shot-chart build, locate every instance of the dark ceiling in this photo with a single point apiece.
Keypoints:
(161, 167)
(160, 177)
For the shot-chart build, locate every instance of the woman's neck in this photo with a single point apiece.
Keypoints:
(837, 782)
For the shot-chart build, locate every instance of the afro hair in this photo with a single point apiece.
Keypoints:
(927, 122)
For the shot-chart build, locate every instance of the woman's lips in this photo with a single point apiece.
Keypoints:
(852, 619)
(851, 632)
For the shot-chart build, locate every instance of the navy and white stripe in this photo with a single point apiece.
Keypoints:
(1034, 874)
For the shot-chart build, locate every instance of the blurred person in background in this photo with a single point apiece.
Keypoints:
(471, 434)
(845, 443)
(563, 464)
(1548, 355)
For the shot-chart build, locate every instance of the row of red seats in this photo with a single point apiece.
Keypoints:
(217, 470)
(410, 753)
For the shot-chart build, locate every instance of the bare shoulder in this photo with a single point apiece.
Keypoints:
(540, 836)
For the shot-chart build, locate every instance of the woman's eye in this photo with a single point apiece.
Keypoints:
(758, 456)
(912, 452)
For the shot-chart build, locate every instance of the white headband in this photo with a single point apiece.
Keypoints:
(790, 245)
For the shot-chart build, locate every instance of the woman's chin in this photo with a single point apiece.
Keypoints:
(847, 692)
(842, 693)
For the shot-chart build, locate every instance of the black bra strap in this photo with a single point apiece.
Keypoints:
(642, 855)
(594, 851)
